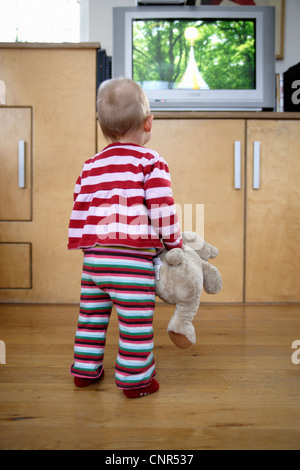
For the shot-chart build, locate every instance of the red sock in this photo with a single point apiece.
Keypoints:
(141, 392)
(80, 382)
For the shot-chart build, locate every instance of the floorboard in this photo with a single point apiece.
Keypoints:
(237, 388)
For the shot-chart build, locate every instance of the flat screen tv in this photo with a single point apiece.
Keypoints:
(198, 58)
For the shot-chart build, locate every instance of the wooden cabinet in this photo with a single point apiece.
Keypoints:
(273, 211)
(59, 84)
(257, 231)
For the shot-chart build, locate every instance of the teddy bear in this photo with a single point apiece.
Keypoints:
(181, 276)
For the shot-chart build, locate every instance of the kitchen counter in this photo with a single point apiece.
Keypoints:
(224, 115)
(49, 45)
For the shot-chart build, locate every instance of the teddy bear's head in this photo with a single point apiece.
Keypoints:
(202, 248)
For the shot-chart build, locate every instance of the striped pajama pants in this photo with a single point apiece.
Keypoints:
(127, 281)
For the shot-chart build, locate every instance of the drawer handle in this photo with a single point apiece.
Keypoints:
(256, 166)
(22, 164)
(237, 165)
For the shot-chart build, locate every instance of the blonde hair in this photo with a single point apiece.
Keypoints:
(122, 106)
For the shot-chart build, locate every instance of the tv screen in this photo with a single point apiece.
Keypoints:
(198, 58)
(218, 54)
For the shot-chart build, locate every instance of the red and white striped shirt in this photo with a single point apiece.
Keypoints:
(123, 197)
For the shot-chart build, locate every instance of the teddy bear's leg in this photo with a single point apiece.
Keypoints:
(180, 329)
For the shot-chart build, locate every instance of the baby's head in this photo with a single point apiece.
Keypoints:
(122, 106)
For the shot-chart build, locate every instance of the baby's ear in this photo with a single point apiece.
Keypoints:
(148, 123)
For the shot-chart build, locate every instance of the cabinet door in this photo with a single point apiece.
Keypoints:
(273, 212)
(15, 161)
(200, 154)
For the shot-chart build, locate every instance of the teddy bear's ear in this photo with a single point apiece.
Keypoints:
(193, 240)
(213, 251)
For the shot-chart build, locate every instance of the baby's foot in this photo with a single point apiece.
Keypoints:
(141, 392)
(81, 382)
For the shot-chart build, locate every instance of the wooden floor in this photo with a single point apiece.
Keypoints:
(236, 389)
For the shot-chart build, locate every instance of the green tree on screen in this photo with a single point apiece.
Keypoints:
(224, 52)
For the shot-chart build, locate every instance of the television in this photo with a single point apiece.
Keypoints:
(191, 58)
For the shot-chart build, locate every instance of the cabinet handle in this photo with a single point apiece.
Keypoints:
(237, 165)
(21, 164)
(256, 166)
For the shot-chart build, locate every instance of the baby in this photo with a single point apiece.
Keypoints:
(123, 215)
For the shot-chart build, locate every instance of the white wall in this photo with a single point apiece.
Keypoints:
(100, 27)
(101, 21)
(291, 37)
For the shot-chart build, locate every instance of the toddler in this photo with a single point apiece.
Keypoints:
(123, 215)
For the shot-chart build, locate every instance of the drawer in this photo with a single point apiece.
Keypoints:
(15, 266)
